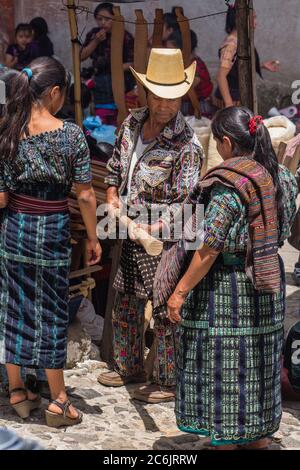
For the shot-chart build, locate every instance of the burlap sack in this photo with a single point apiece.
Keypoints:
(202, 128)
(281, 129)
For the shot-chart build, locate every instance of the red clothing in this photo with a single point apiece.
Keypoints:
(205, 87)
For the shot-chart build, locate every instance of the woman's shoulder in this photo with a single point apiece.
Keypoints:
(74, 130)
(230, 42)
(226, 196)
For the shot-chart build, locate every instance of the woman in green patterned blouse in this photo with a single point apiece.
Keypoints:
(232, 295)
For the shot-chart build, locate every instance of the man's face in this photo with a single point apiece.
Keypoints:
(162, 109)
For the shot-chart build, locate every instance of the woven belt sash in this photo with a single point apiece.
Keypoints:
(34, 206)
(219, 331)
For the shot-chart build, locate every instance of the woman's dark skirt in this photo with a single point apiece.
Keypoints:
(35, 261)
(231, 338)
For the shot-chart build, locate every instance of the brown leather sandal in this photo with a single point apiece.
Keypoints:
(24, 407)
(55, 420)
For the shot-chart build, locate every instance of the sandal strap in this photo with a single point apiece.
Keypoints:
(63, 406)
(18, 389)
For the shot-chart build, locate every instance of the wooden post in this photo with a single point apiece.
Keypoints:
(186, 52)
(246, 84)
(253, 59)
(107, 341)
(76, 60)
(140, 51)
(117, 70)
(158, 28)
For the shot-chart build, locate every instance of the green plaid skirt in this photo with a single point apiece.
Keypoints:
(229, 361)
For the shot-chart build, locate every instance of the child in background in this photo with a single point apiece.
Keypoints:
(18, 55)
(202, 84)
(41, 45)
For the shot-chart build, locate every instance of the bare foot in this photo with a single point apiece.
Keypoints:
(71, 413)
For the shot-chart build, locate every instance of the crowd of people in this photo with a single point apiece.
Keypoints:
(218, 310)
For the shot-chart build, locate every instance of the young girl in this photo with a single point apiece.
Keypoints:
(41, 157)
(97, 46)
(18, 55)
(233, 292)
(41, 45)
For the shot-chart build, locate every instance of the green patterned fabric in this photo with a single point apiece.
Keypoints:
(231, 340)
(226, 216)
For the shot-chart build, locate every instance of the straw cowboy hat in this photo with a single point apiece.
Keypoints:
(166, 76)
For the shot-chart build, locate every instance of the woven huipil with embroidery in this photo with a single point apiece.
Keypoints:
(165, 173)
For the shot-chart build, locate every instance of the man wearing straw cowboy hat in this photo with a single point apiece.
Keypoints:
(157, 160)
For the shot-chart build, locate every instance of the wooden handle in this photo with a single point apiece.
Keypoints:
(151, 245)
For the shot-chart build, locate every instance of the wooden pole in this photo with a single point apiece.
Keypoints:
(253, 59)
(140, 51)
(117, 70)
(76, 60)
(246, 84)
(186, 52)
(107, 351)
(158, 28)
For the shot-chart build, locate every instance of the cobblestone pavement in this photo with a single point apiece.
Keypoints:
(112, 421)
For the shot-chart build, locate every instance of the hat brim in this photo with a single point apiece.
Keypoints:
(168, 91)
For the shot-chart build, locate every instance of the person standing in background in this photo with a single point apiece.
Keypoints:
(97, 46)
(227, 92)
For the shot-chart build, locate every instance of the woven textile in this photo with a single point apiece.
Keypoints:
(228, 368)
(255, 188)
(128, 340)
(35, 259)
(35, 250)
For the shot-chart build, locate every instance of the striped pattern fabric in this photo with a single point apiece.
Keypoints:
(255, 187)
(128, 340)
(35, 256)
(30, 205)
(228, 368)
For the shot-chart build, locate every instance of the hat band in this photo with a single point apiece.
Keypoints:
(169, 84)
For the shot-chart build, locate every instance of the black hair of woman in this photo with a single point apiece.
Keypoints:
(170, 20)
(23, 27)
(39, 26)
(106, 6)
(230, 19)
(24, 92)
(234, 122)
(176, 38)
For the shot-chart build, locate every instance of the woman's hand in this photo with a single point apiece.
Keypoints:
(271, 65)
(174, 307)
(100, 36)
(93, 251)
